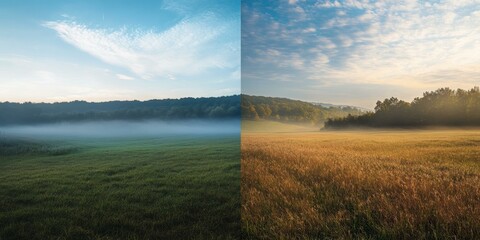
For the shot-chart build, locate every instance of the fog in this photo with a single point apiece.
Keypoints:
(126, 129)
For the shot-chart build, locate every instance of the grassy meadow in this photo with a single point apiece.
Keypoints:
(265, 126)
(361, 184)
(175, 187)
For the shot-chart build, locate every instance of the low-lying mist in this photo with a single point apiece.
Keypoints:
(125, 129)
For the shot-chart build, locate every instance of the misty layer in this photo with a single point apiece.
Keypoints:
(126, 129)
(292, 111)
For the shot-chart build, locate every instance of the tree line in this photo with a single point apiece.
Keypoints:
(166, 109)
(442, 107)
(287, 110)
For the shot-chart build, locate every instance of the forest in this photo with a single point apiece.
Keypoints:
(291, 111)
(166, 109)
(442, 107)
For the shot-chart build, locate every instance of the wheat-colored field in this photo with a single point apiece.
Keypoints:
(361, 185)
(264, 126)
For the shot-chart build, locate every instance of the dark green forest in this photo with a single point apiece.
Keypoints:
(166, 109)
(292, 111)
(443, 107)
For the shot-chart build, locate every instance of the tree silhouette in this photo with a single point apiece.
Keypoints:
(443, 107)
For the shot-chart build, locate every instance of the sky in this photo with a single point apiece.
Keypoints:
(54, 50)
(356, 52)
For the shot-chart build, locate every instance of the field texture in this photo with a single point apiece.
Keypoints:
(158, 188)
(361, 185)
(264, 126)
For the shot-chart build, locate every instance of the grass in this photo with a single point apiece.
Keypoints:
(159, 188)
(271, 126)
(18, 146)
(361, 185)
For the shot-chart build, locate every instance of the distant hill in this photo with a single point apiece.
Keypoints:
(166, 109)
(329, 105)
(444, 107)
(291, 111)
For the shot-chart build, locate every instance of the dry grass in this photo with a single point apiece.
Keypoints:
(361, 185)
(263, 126)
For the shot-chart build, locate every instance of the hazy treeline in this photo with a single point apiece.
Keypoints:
(166, 109)
(443, 107)
(287, 110)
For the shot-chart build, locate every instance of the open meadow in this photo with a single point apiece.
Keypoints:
(398, 184)
(158, 186)
(265, 126)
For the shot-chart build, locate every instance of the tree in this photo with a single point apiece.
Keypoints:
(442, 107)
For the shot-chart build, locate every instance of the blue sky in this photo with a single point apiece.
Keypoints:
(116, 49)
(358, 51)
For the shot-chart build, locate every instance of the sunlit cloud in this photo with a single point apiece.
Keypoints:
(408, 44)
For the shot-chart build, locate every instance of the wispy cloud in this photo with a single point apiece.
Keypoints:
(192, 46)
(408, 43)
(44, 80)
(145, 50)
(403, 42)
(124, 77)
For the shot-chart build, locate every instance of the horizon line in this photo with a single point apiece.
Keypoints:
(117, 100)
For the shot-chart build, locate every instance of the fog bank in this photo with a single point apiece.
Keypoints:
(126, 129)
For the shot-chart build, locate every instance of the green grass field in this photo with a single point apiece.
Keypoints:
(149, 188)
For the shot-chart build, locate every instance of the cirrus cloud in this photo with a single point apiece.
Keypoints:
(191, 47)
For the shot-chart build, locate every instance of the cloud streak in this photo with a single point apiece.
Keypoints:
(408, 44)
(192, 46)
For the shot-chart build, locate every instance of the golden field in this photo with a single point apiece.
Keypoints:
(421, 184)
